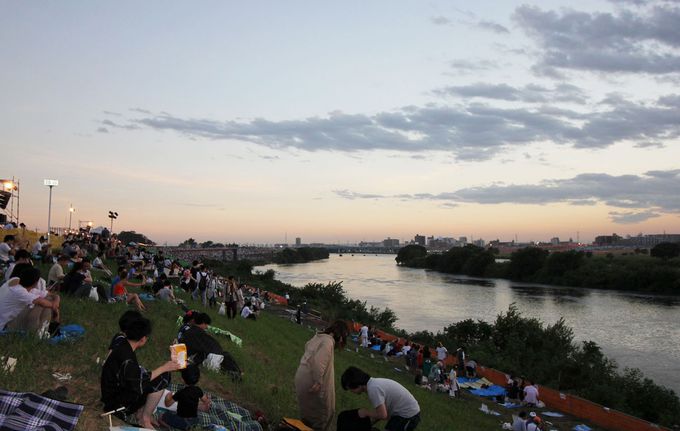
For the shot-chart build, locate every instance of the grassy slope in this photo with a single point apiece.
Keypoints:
(269, 356)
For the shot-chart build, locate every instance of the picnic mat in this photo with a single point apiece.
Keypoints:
(491, 391)
(222, 412)
(476, 383)
(26, 411)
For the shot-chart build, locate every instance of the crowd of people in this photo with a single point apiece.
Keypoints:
(30, 303)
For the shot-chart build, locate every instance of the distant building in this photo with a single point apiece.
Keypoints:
(555, 241)
(390, 243)
(298, 242)
(419, 239)
(479, 242)
(603, 240)
(462, 241)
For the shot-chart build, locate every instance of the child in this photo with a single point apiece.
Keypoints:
(189, 400)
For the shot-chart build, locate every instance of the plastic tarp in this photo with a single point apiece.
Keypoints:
(491, 391)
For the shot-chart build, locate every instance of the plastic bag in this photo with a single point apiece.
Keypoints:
(93, 294)
(223, 310)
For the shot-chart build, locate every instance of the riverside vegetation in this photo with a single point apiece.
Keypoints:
(547, 354)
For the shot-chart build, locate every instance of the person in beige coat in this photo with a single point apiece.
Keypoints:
(315, 377)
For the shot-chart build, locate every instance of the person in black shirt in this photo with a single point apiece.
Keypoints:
(189, 400)
(125, 383)
(123, 323)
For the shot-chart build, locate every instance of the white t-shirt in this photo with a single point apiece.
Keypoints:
(441, 353)
(4, 251)
(13, 300)
(364, 331)
(37, 247)
(405, 349)
(531, 394)
(397, 399)
(246, 312)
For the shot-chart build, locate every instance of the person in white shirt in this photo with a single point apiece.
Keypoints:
(6, 249)
(441, 352)
(530, 394)
(363, 336)
(389, 399)
(519, 423)
(247, 313)
(23, 307)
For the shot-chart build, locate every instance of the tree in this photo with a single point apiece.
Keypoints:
(666, 250)
(410, 252)
(526, 262)
(190, 243)
(127, 237)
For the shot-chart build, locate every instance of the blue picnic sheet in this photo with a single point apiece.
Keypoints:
(69, 333)
(491, 391)
(467, 380)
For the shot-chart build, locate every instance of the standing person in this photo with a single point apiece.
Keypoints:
(231, 297)
(201, 286)
(389, 400)
(442, 353)
(363, 335)
(460, 358)
(315, 377)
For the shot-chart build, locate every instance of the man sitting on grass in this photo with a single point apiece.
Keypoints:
(23, 307)
(125, 383)
(389, 399)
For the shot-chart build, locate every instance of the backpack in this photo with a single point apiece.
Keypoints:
(203, 283)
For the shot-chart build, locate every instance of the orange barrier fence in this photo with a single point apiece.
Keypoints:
(599, 415)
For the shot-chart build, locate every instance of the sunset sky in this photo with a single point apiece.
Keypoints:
(343, 122)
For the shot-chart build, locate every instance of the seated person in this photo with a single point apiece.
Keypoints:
(56, 274)
(159, 283)
(120, 292)
(98, 263)
(436, 374)
(247, 313)
(123, 323)
(389, 400)
(21, 256)
(77, 282)
(166, 294)
(202, 348)
(25, 308)
(187, 322)
(189, 400)
(125, 383)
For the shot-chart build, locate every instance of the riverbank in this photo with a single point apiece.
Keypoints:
(631, 273)
(443, 299)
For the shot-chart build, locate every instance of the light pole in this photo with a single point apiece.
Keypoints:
(50, 184)
(70, 214)
(112, 215)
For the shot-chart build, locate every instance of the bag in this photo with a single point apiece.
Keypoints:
(203, 283)
(93, 294)
(223, 310)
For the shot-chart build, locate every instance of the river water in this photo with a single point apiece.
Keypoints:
(637, 330)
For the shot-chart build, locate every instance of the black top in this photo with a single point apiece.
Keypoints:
(123, 382)
(117, 340)
(187, 401)
(72, 282)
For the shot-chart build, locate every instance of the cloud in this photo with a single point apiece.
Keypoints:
(654, 192)
(492, 26)
(632, 217)
(639, 40)
(469, 131)
(440, 20)
(467, 66)
(102, 130)
(528, 93)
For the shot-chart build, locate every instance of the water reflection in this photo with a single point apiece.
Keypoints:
(630, 328)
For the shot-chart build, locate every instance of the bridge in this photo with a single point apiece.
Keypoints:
(225, 254)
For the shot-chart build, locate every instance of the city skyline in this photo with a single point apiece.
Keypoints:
(345, 122)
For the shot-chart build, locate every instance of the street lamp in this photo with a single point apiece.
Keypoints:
(50, 184)
(70, 215)
(112, 215)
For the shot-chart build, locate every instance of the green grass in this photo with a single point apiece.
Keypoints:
(271, 350)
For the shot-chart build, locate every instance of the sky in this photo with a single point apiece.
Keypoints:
(261, 121)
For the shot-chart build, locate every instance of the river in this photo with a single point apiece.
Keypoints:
(637, 330)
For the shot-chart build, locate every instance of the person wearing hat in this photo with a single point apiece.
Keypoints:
(534, 422)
